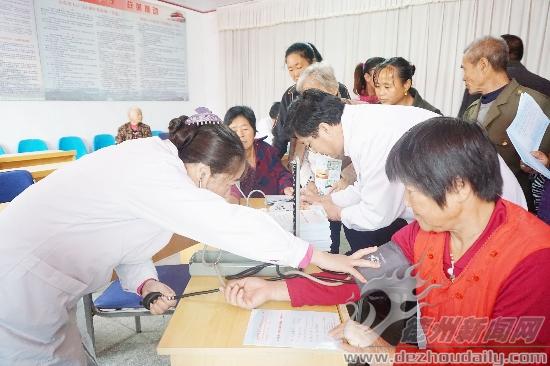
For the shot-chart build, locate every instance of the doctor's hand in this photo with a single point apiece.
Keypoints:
(251, 292)
(340, 185)
(161, 305)
(345, 263)
(333, 211)
(310, 194)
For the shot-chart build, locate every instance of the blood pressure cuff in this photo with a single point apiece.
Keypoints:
(393, 272)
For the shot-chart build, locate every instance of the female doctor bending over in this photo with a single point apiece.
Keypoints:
(114, 209)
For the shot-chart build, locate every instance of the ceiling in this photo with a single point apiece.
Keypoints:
(203, 6)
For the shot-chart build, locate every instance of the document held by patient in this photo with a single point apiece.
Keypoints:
(527, 130)
(291, 328)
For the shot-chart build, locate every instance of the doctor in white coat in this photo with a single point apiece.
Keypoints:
(366, 133)
(114, 209)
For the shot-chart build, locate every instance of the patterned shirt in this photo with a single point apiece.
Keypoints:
(541, 196)
(125, 132)
(268, 175)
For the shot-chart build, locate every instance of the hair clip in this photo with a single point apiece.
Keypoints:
(202, 117)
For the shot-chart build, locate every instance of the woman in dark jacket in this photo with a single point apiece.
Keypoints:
(297, 57)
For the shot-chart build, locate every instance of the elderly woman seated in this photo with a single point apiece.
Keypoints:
(265, 171)
(481, 263)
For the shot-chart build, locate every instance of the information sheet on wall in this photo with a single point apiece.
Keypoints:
(92, 50)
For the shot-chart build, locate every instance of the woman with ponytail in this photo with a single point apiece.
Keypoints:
(363, 84)
(393, 84)
(297, 58)
(114, 210)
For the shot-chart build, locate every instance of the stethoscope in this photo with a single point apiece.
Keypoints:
(151, 297)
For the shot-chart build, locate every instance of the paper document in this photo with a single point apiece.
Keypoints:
(527, 130)
(314, 224)
(279, 203)
(284, 218)
(291, 328)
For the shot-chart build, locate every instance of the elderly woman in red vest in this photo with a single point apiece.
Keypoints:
(485, 260)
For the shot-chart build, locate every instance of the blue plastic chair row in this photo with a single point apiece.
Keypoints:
(66, 143)
(72, 143)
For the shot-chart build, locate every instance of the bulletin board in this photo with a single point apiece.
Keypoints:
(97, 50)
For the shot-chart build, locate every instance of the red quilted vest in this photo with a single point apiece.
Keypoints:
(474, 291)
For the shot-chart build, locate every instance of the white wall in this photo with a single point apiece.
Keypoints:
(49, 120)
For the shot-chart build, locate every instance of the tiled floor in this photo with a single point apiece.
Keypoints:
(117, 342)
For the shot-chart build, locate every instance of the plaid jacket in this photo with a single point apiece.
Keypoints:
(125, 132)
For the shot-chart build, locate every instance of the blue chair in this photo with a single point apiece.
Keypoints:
(103, 140)
(73, 143)
(2, 151)
(157, 133)
(30, 145)
(12, 183)
(115, 302)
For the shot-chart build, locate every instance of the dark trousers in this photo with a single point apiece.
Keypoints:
(526, 185)
(365, 239)
(335, 227)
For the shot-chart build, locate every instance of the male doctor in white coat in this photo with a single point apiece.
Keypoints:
(365, 133)
(113, 209)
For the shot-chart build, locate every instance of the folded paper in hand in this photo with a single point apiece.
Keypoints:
(527, 130)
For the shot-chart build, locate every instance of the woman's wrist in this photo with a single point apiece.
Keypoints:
(143, 285)
(278, 291)
(317, 257)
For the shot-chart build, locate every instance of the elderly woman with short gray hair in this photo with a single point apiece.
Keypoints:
(319, 75)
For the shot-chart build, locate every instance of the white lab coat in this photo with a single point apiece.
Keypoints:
(370, 131)
(113, 209)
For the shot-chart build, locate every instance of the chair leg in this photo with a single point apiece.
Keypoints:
(89, 316)
(138, 324)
